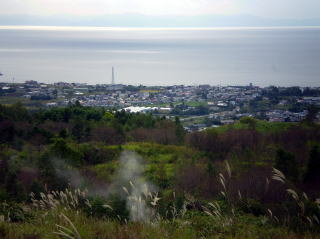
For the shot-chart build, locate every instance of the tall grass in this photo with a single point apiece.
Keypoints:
(142, 203)
(301, 200)
(67, 199)
(71, 233)
(186, 221)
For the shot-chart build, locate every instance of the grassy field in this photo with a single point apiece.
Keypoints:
(45, 225)
(81, 215)
(261, 126)
(160, 161)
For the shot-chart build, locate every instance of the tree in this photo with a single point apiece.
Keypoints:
(313, 168)
(286, 163)
(312, 114)
(250, 121)
(7, 131)
(292, 91)
(311, 92)
(108, 116)
(80, 129)
(4, 167)
(180, 132)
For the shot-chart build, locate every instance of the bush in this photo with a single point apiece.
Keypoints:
(286, 163)
(13, 212)
(114, 208)
(98, 208)
(250, 121)
(119, 208)
(252, 206)
(313, 168)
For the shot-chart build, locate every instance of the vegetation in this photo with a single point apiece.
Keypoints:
(71, 173)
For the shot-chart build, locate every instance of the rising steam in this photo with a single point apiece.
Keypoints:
(139, 193)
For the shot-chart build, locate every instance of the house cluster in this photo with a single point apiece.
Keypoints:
(222, 104)
(30, 90)
(286, 116)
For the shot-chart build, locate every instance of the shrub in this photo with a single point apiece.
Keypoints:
(313, 168)
(252, 206)
(119, 208)
(13, 212)
(250, 121)
(114, 208)
(286, 163)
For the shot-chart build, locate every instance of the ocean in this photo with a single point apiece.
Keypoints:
(215, 56)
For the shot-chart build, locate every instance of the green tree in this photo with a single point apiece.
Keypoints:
(62, 150)
(250, 121)
(108, 116)
(180, 132)
(286, 163)
(80, 129)
(312, 114)
(313, 168)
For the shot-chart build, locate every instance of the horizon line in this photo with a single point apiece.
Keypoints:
(110, 28)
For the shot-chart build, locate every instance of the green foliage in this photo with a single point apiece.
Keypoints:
(56, 142)
(105, 171)
(98, 208)
(195, 226)
(110, 207)
(108, 116)
(62, 150)
(286, 163)
(250, 121)
(312, 114)
(119, 208)
(14, 112)
(13, 212)
(260, 126)
(313, 167)
(252, 206)
(93, 154)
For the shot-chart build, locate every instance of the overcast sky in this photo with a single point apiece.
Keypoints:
(263, 8)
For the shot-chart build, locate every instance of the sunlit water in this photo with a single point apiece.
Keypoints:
(235, 56)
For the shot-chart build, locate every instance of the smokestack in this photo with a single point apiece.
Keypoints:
(112, 81)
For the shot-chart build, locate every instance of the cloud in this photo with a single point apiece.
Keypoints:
(265, 8)
(281, 8)
(101, 7)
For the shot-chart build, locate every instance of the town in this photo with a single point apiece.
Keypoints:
(198, 106)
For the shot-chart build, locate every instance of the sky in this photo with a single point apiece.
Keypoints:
(295, 9)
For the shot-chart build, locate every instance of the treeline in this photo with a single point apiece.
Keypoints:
(291, 91)
(84, 124)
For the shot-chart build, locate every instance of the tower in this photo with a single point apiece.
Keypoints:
(112, 81)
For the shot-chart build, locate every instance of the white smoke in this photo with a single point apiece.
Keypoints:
(65, 171)
(76, 179)
(129, 182)
(139, 193)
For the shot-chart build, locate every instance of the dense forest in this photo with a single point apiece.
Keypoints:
(85, 172)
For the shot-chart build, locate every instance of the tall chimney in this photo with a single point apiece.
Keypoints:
(112, 82)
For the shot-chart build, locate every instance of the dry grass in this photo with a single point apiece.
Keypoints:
(301, 200)
(142, 203)
(71, 233)
(67, 199)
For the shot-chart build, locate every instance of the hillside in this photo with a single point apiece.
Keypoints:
(81, 172)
